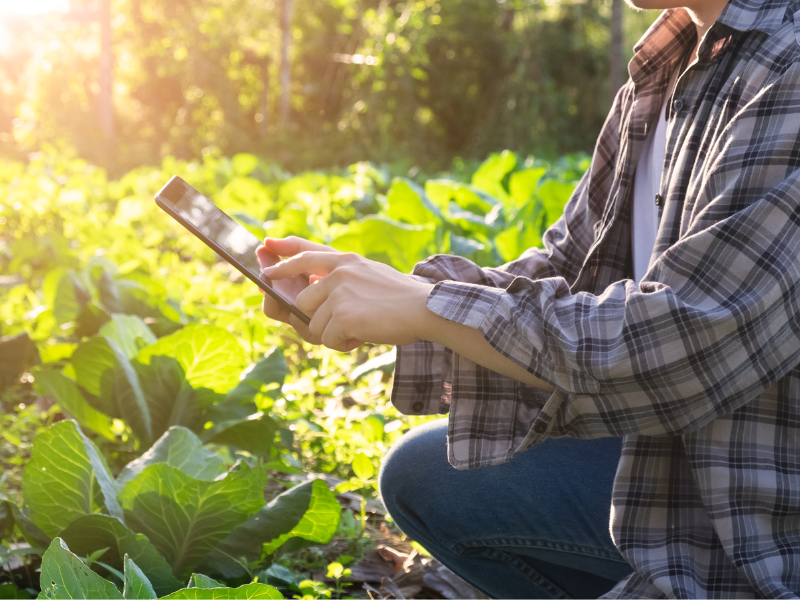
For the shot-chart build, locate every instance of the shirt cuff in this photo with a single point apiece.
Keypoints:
(492, 312)
(422, 379)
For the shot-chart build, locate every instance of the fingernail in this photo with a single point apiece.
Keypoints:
(267, 270)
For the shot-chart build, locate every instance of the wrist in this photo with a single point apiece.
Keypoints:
(423, 321)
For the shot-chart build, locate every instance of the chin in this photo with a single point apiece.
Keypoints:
(655, 4)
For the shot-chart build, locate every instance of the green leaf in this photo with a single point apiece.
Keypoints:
(244, 163)
(11, 517)
(93, 363)
(407, 202)
(269, 370)
(335, 570)
(204, 582)
(129, 333)
(70, 298)
(384, 362)
(372, 427)
(245, 592)
(462, 246)
(89, 533)
(210, 356)
(319, 522)
(129, 397)
(309, 511)
(523, 185)
(185, 517)
(56, 352)
(17, 354)
(244, 194)
(108, 291)
(380, 238)
(136, 583)
(9, 590)
(62, 478)
(65, 392)
(489, 176)
(90, 319)
(64, 575)
(508, 243)
(181, 449)
(554, 195)
(253, 434)
(362, 467)
(170, 398)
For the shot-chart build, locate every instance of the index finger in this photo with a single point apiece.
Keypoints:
(292, 245)
(312, 263)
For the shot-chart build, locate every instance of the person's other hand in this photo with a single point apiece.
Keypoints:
(349, 298)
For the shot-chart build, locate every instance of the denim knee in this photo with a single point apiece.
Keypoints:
(409, 470)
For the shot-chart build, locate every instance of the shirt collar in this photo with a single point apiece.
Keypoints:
(666, 40)
(672, 33)
(761, 15)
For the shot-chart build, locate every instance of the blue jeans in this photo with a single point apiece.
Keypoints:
(535, 527)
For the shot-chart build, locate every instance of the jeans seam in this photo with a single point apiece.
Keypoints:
(531, 573)
(543, 544)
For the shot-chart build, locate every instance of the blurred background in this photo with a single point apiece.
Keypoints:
(309, 83)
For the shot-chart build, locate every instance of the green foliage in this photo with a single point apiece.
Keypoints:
(180, 398)
(100, 532)
(66, 478)
(178, 507)
(65, 575)
(136, 583)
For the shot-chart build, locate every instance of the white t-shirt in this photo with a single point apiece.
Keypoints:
(647, 183)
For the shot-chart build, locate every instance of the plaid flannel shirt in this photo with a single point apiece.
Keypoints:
(696, 367)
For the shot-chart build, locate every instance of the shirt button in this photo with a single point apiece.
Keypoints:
(677, 105)
(659, 199)
(416, 407)
(540, 427)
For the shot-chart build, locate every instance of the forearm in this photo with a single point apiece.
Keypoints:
(471, 344)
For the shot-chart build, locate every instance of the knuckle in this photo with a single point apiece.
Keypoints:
(350, 257)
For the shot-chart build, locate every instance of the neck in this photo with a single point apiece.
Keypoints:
(704, 13)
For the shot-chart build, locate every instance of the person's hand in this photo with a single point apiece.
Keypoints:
(349, 298)
(270, 254)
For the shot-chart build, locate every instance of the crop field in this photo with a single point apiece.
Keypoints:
(156, 428)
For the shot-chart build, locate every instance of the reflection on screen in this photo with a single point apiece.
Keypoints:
(215, 224)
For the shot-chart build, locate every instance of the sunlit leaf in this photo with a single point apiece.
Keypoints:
(129, 333)
(401, 245)
(181, 449)
(65, 392)
(210, 356)
(184, 517)
(407, 202)
(363, 467)
(490, 175)
(62, 479)
(246, 592)
(137, 586)
(64, 575)
(204, 582)
(90, 533)
(309, 511)
(523, 185)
